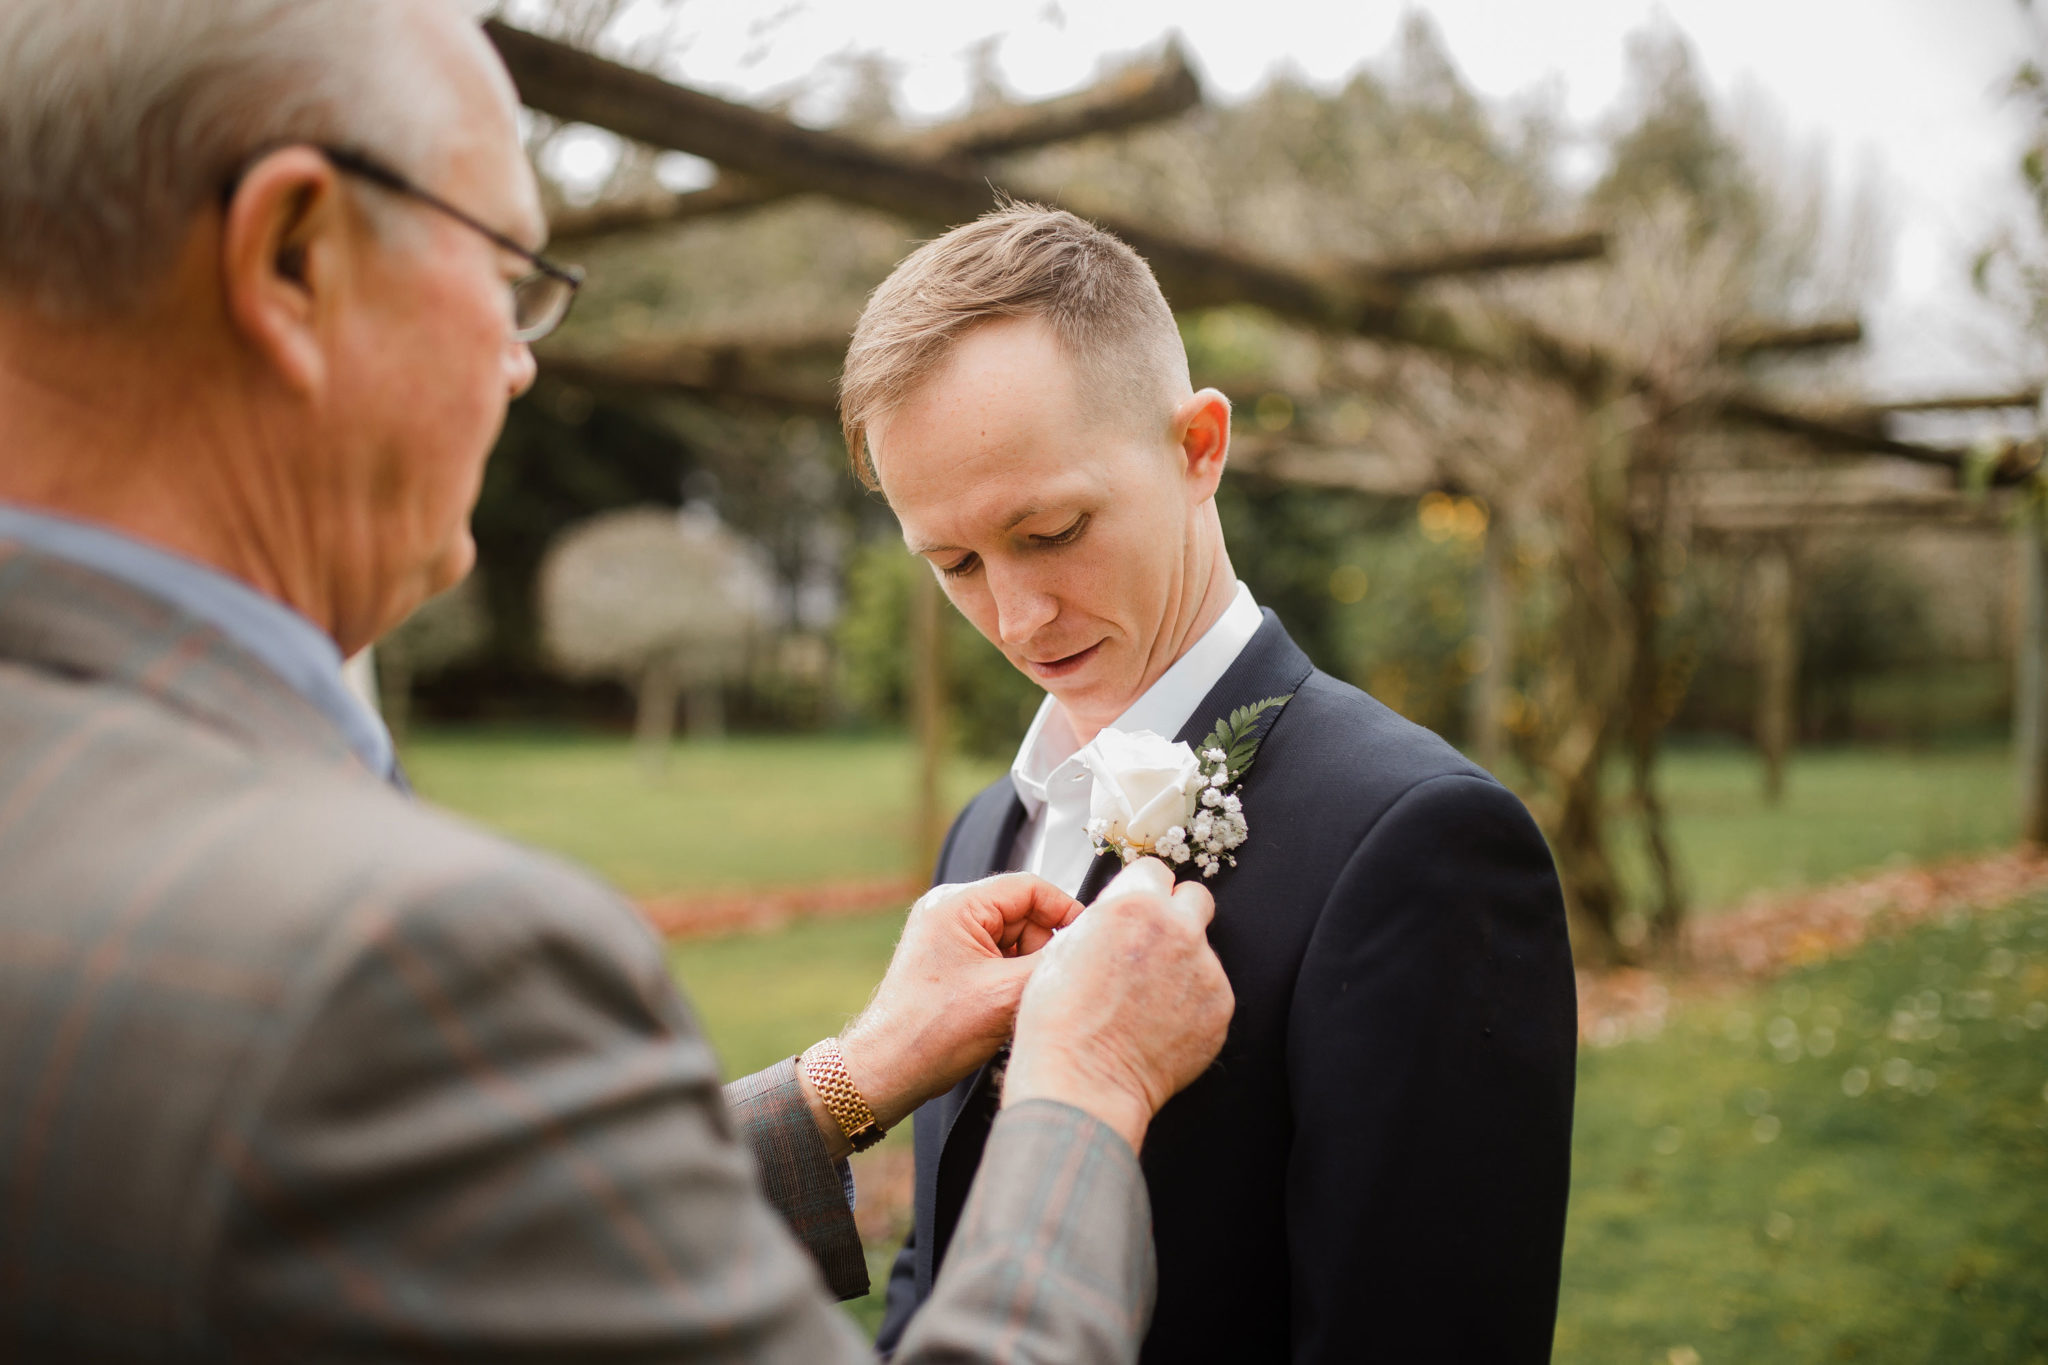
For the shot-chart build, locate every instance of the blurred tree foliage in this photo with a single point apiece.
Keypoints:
(2011, 268)
(563, 456)
(1859, 614)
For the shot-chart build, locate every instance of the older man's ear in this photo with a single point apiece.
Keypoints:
(1202, 427)
(285, 252)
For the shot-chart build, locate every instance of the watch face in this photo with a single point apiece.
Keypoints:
(868, 1136)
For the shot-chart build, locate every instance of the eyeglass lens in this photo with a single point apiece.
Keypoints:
(539, 303)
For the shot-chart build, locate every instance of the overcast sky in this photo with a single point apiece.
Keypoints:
(1910, 90)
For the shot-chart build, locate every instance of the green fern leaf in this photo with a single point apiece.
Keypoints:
(1238, 735)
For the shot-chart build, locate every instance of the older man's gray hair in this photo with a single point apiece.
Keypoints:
(120, 119)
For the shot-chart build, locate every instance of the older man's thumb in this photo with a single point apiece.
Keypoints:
(1147, 876)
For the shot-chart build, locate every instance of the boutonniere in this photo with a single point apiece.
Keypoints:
(1158, 798)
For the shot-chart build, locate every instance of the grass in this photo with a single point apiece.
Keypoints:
(1844, 810)
(764, 997)
(755, 811)
(764, 811)
(1848, 1164)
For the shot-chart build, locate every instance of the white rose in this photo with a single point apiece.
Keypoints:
(1142, 784)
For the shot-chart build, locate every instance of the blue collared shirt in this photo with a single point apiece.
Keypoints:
(283, 641)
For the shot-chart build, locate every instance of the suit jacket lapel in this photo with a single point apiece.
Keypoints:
(1270, 665)
(62, 618)
(1100, 872)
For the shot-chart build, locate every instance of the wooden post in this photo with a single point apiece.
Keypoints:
(1777, 664)
(1497, 633)
(928, 710)
(2030, 694)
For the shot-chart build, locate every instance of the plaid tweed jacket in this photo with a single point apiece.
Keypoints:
(292, 1068)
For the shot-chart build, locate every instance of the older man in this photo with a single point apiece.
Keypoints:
(1377, 1167)
(291, 1067)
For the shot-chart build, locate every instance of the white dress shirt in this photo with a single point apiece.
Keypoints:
(1055, 785)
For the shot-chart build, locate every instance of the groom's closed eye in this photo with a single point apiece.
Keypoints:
(967, 563)
(1066, 537)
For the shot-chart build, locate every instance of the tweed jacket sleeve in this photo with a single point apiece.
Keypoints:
(498, 1133)
(1053, 1257)
(803, 1184)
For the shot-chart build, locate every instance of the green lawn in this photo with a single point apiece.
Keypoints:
(754, 811)
(768, 996)
(1850, 1164)
(1844, 810)
(784, 811)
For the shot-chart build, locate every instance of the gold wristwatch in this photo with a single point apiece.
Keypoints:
(827, 1069)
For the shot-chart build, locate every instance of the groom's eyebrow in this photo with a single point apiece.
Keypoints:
(1022, 514)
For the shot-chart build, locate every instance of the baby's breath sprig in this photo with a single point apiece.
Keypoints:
(1216, 826)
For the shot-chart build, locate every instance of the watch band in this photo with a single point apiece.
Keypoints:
(826, 1067)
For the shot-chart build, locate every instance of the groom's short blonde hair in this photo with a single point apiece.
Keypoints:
(1022, 260)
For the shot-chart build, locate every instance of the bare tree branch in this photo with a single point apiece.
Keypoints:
(1506, 253)
(1757, 337)
(1144, 92)
(1985, 402)
(1861, 432)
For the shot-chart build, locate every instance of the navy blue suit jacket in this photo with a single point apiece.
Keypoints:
(1375, 1168)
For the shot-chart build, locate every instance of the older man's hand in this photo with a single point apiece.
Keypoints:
(950, 996)
(1128, 1007)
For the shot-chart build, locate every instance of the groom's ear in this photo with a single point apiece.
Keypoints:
(1201, 426)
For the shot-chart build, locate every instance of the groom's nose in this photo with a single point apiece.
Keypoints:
(1023, 608)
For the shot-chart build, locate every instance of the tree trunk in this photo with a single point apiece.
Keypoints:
(654, 722)
(1497, 630)
(1777, 645)
(1593, 899)
(2030, 700)
(1645, 702)
(704, 710)
(394, 689)
(928, 707)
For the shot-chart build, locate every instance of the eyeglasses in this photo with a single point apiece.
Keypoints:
(540, 300)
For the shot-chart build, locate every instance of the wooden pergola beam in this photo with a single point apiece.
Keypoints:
(1146, 91)
(1861, 432)
(756, 370)
(2019, 399)
(1359, 300)
(576, 85)
(1757, 338)
(1506, 253)
(1778, 515)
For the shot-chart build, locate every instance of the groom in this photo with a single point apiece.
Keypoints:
(1375, 1168)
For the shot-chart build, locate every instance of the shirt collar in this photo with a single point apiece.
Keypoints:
(286, 643)
(1163, 708)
